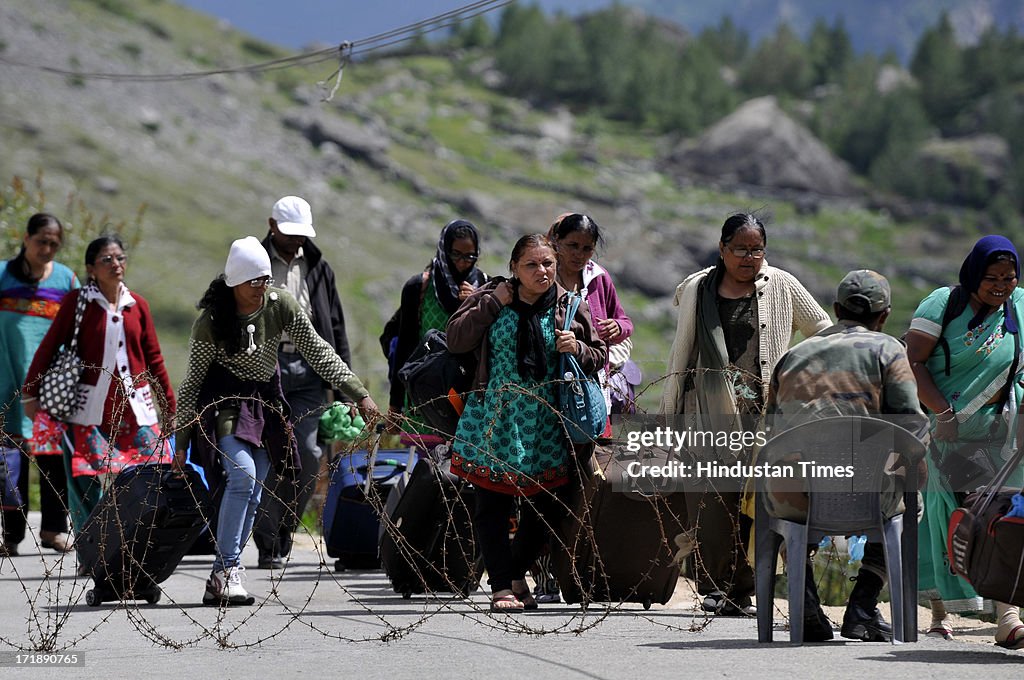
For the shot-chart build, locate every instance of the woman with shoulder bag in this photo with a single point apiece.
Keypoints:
(116, 423)
(963, 343)
(511, 441)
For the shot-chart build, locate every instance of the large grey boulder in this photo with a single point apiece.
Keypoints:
(760, 144)
(973, 165)
(357, 141)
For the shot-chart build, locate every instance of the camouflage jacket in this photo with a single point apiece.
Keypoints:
(845, 370)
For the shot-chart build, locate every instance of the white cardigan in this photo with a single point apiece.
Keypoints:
(783, 307)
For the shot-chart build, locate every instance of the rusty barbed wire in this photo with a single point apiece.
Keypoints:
(51, 605)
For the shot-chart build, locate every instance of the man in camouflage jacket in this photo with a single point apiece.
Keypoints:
(851, 368)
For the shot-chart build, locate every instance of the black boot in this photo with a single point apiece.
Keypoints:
(817, 627)
(863, 620)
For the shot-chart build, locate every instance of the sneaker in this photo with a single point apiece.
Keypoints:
(54, 540)
(8, 549)
(858, 625)
(225, 588)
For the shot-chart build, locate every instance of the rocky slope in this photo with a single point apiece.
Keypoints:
(404, 146)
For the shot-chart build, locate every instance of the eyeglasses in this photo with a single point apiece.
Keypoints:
(756, 253)
(265, 282)
(464, 257)
(109, 260)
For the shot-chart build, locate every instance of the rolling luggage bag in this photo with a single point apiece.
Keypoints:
(140, 530)
(427, 544)
(617, 543)
(360, 482)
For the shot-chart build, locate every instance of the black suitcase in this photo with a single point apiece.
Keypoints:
(140, 530)
(617, 545)
(428, 542)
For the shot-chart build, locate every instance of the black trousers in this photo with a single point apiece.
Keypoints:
(506, 560)
(719, 561)
(285, 496)
(53, 498)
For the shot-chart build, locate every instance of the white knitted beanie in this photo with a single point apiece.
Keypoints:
(247, 260)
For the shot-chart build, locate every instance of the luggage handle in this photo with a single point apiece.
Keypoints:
(409, 463)
(372, 460)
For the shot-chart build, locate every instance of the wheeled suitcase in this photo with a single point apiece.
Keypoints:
(617, 545)
(360, 482)
(140, 530)
(428, 542)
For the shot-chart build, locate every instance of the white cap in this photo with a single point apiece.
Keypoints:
(294, 217)
(247, 260)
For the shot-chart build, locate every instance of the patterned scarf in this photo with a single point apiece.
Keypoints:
(531, 355)
(447, 278)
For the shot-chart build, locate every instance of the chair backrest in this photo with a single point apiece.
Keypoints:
(863, 445)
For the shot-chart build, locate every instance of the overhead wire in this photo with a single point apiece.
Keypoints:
(341, 52)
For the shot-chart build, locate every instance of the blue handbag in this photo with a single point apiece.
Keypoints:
(580, 401)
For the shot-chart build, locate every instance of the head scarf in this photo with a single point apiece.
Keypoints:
(445, 275)
(531, 354)
(973, 269)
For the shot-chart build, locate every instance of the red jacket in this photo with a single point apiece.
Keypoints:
(140, 345)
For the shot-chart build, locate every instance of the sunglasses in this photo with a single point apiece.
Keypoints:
(265, 282)
(109, 260)
(464, 257)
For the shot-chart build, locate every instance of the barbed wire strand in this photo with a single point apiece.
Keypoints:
(366, 45)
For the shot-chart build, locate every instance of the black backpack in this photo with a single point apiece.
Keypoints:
(437, 381)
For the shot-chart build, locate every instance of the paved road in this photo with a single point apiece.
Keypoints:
(311, 622)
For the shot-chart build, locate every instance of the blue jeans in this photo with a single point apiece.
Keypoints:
(245, 468)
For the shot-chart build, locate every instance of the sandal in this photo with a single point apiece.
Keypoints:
(507, 604)
(940, 630)
(521, 590)
(1015, 640)
(527, 599)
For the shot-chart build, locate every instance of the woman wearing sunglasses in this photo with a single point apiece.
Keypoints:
(428, 299)
(122, 386)
(736, 319)
(232, 409)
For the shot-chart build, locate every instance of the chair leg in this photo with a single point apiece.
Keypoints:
(893, 530)
(767, 544)
(908, 549)
(796, 571)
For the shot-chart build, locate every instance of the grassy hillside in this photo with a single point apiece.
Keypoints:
(209, 157)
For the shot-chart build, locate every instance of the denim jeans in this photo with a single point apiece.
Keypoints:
(245, 469)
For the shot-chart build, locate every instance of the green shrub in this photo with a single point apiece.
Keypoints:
(19, 201)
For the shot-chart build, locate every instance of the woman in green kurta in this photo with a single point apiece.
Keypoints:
(510, 441)
(967, 402)
(428, 299)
